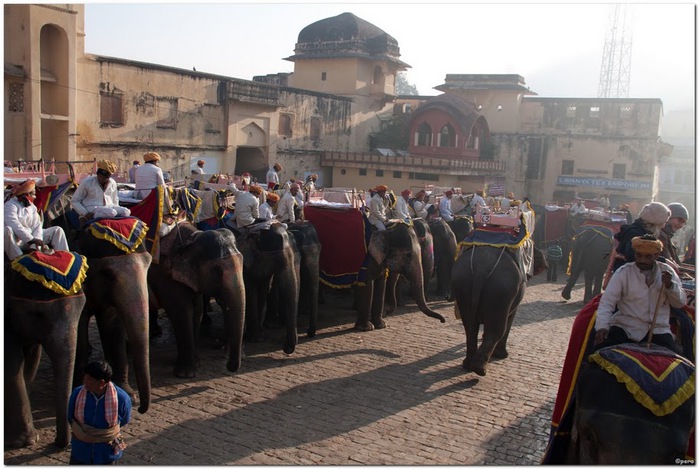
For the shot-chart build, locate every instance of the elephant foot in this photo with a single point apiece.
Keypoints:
(472, 365)
(185, 372)
(378, 323)
(311, 333)
(500, 353)
(364, 327)
(28, 438)
(566, 293)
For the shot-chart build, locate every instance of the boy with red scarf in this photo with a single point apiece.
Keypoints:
(96, 412)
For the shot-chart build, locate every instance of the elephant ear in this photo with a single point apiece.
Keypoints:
(377, 246)
(181, 270)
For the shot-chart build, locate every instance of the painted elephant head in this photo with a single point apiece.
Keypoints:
(37, 318)
(269, 255)
(200, 263)
(397, 249)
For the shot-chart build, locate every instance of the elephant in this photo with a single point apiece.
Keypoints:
(444, 255)
(269, 255)
(589, 254)
(461, 226)
(194, 264)
(397, 249)
(37, 317)
(117, 296)
(306, 242)
(610, 427)
(424, 236)
(489, 285)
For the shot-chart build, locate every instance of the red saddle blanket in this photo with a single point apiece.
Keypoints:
(62, 272)
(126, 234)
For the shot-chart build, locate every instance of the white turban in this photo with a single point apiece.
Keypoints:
(655, 213)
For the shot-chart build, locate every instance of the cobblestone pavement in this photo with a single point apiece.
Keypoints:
(393, 396)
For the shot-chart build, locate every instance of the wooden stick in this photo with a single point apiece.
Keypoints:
(655, 314)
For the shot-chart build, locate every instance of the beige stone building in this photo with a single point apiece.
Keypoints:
(64, 104)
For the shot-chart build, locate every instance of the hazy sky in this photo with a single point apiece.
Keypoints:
(556, 47)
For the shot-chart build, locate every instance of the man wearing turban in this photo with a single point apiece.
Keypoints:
(247, 205)
(286, 210)
(97, 196)
(272, 177)
(651, 220)
(638, 289)
(310, 185)
(199, 168)
(267, 208)
(23, 226)
(445, 210)
(149, 176)
(401, 209)
(377, 208)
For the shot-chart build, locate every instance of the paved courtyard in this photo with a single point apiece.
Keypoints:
(395, 396)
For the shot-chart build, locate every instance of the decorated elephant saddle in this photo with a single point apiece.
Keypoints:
(125, 233)
(62, 272)
(658, 378)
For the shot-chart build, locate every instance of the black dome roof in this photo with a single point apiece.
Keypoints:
(346, 35)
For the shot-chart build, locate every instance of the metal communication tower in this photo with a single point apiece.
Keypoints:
(615, 73)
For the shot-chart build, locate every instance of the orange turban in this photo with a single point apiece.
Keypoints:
(648, 245)
(257, 190)
(200, 163)
(272, 196)
(278, 167)
(107, 165)
(151, 156)
(381, 188)
(23, 188)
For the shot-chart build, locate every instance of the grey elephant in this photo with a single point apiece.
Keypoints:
(489, 284)
(306, 242)
(398, 250)
(117, 296)
(37, 317)
(269, 255)
(590, 251)
(194, 264)
(424, 236)
(610, 427)
(444, 254)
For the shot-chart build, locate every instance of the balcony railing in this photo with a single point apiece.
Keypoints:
(412, 163)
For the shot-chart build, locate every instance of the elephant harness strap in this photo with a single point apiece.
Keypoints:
(502, 250)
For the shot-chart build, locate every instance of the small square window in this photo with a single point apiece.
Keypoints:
(397, 174)
(570, 111)
(594, 111)
(362, 172)
(323, 76)
(379, 173)
(568, 167)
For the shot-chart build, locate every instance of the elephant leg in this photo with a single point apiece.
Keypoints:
(597, 287)
(153, 307)
(32, 359)
(589, 280)
(60, 348)
(378, 301)
(501, 347)
(256, 295)
(179, 307)
(272, 312)
(19, 424)
(471, 327)
(363, 299)
(82, 352)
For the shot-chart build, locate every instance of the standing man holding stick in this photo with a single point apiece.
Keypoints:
(643, 291)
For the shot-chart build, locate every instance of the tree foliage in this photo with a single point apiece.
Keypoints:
(404, 87)
(393, 133)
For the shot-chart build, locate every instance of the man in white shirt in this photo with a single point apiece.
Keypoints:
(273, 177)
(199, 168)
(286, 206)
(149, 176)
(300, 199)
(402, 211)
(377, 208)
(267, 209)
(247, 205)
(445, 206)
(578, 208)
(637, 289)
(310, 183)
(477, 201)
(132, 170)
(23, 225)
(419, 205)
(97, 197)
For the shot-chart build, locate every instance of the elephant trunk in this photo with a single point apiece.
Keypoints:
(415, 277)
(136, 322)
(233, 300)
(289, 300)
